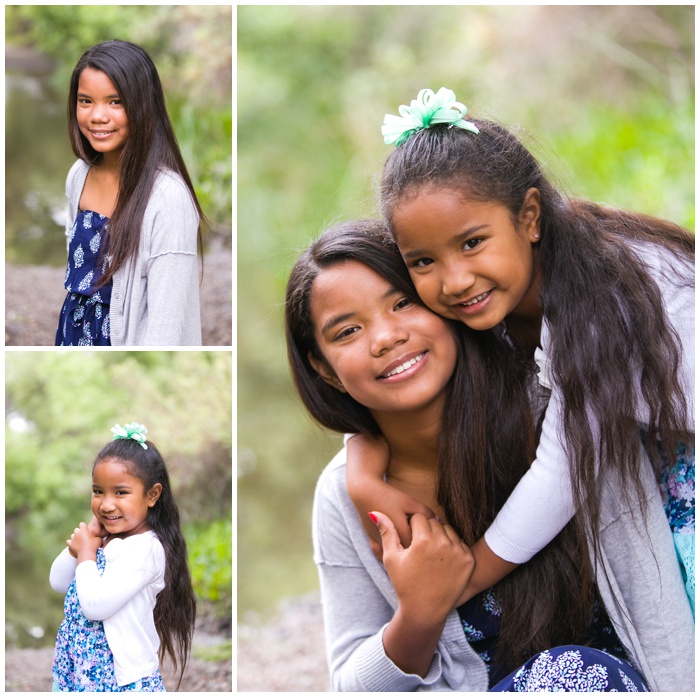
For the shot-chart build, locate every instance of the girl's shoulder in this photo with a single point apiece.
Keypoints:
(170, 189)
(76, 176)
(135, 548)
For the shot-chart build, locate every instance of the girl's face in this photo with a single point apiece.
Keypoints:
(469, 261)
(387, 352)
(119, 500)
(101, 116)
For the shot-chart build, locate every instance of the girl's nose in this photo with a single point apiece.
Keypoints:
(98, 114)
(386, 336)
(457, 279)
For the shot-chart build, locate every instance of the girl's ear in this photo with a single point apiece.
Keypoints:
(529, 216)
(326, 372)
(154, 494)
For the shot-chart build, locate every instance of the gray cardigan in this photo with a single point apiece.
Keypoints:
(640, 584)
(155, 298)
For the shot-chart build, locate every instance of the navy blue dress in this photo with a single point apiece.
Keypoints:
(599, 667)
(84, 319)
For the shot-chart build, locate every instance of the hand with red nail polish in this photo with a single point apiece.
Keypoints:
(428, 577)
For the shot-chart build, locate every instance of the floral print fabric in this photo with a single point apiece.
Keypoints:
(573, 669)
(480, 618)
(678, 494)
(83, 661)
(84, 319)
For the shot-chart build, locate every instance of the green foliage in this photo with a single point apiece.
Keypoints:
(211, 563)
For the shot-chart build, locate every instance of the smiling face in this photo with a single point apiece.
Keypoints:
(119, 500)
(100, 113)
(387, 352)
(470, 261)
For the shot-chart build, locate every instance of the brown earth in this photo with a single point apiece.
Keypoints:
(29, 670)
(30, 323)
(284, 653)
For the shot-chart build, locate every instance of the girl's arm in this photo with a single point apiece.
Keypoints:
(367, 461)
(359, 601)
(139, 563)
(62, 571)
(173, 313)
(424, 577)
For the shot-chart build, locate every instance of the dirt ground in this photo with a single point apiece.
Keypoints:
(285, 653)
(34, 323)
(29, 670)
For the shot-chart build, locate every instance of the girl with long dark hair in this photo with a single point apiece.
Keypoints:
(129, 598)
(134, 221)
(453, 406)
(602, 300)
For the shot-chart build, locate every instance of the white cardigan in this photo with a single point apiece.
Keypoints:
(542, 502)
(123, 598)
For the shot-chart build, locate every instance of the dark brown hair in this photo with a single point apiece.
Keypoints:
(487, 443)
(611, 342)
(150, 147)
(176, 604)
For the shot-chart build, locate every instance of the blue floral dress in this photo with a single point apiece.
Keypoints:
(560, 669)
(678, 494)
(84, 319)
(83, 661)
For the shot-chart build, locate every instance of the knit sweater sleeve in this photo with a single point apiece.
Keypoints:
(356, 610)
(138, 563)
(172, 269)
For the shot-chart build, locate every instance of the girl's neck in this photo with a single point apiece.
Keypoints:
(413, 442)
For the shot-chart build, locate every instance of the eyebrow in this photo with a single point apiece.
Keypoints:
(338, 319)
(418, 253)
(109, 96)
(116, 486)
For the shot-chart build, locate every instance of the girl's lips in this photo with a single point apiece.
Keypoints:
(101, 134)
(476, 304)
(403, 368)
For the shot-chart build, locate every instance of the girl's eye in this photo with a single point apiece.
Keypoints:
(404, 302)
(422, 263)
(346, 333)
(473, 243)
(118, 102)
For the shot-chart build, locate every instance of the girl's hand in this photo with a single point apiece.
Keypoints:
(430, 575)
(83, 544)
(96, 528)
(367, 461)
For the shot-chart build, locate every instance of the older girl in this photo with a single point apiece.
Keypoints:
(133, 220)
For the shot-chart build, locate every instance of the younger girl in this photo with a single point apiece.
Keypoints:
(602, 298)
(368, 357)
(129, 598)
(133, 227)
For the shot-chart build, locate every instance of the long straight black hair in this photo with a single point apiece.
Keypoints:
(150, 147)
(176, 605)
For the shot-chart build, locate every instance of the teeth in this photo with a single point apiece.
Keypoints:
(477, 299)
(405, 366)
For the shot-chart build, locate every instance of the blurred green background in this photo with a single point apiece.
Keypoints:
(191, 46)
(604, 95)
(59, 410)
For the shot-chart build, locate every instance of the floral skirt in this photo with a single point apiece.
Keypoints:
(573, 669)
(83, 661)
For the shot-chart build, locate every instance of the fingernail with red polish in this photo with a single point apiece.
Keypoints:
(373, 518)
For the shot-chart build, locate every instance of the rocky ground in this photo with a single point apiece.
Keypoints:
(287, 652)
(29, 670)
(30, 323)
